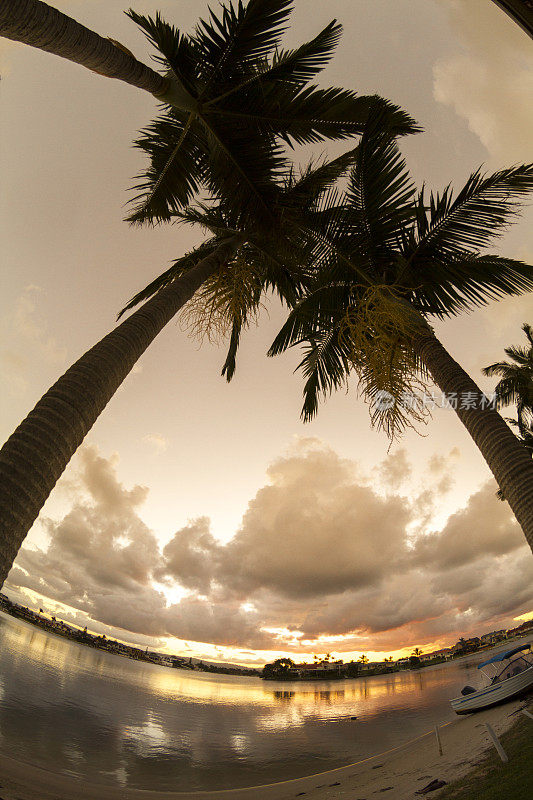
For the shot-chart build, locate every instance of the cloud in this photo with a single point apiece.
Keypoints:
(485, 526)
(190, 557)
(301, 535)
(25, 342)
(395, 469)
(322, 554)
(487, 84)
(157, 441)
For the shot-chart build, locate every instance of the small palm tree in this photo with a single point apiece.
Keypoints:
(516, 386)
(516, 380)
(386, 261)
(388, 659)
(417, 652)
(363, 659)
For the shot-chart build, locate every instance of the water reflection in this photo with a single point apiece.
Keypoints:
(67, 707)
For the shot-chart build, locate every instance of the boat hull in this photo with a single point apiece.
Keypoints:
(494, 694)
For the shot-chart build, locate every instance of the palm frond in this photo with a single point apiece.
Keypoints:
(230, 364)
(239, 36)
(528, 330)
(379, 196)
(243, 168)
(522, 355)
(177, 52)
(326, 368)
(464, 281)
(175, 173)
(316, 179)
(302, 64)
(484, 207)
(178, 268)
(309, 115)
(320, 309)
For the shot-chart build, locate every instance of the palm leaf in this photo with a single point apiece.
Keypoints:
(178, 268)
(316, 180)
(326, 368)
(464, 282)
(309, 115)
(379, 197)
(230, 364)
(484, 207)
(240, 36)
(176, 170)
(293, 66)
(178, 52)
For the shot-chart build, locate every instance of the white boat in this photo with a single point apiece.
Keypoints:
(512, 674)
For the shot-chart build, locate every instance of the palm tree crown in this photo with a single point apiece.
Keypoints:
(273, 255)
(516, 384)
(386, 259)
(235, 94)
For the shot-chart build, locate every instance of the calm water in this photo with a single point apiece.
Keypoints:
(67, 707)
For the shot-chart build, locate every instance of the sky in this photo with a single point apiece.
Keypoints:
(204, 518)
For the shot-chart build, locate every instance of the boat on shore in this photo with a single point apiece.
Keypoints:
(511, 674)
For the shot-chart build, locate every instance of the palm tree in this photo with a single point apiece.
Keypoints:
(386, 261)
(233, 96)
(417, 652)
(363, 659)
(389, 659)
(516, 384)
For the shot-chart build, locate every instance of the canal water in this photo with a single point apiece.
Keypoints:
(94, 715)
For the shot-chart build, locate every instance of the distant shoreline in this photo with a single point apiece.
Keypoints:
(113, 646)
(65, 631)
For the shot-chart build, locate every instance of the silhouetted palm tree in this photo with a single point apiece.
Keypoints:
(363, 659)
(417, 652)
(516, 384)
(386, 261)
(233, 96)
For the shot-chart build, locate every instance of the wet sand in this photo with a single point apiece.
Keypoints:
(400, 772)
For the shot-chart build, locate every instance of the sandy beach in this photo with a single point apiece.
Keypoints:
(401, 771)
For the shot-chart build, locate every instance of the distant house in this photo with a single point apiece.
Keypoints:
(445, 652)
(493, 637)
(466, 645)
(318, 670)
(375, 665)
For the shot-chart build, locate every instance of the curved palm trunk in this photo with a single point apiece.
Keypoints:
(506, 457)
(40, 25)
(36, 454)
